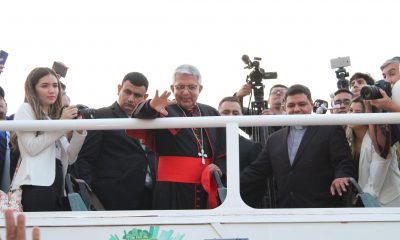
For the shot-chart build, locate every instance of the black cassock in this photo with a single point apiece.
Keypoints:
(180, 160)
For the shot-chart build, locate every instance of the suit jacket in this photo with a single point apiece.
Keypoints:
(248, 152)
(3, 149)
(115, 165)
(323, 155)
(38, 152)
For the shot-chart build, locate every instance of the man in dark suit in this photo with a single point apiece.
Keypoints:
(4, 147)
(117, 167)
(310, 165)
(248, 150)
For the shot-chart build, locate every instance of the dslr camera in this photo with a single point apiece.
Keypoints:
(372, 92)
(85, 111)
(255, 79)
(341, 73)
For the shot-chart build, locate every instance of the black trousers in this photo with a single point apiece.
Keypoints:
(45, 198)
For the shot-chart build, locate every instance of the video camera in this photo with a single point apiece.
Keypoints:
(255, 79)
(341, 73)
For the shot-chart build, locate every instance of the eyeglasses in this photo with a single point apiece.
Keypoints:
(276, 91)
(345, 102)
(183, 87)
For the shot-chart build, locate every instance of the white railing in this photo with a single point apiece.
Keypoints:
(233, 204)
(270, 120)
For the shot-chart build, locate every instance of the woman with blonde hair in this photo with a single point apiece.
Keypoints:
(375, 157)
(45, 155)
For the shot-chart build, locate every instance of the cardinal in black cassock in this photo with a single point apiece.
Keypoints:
(187, 157)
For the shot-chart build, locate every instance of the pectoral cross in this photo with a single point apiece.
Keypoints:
(203, 156)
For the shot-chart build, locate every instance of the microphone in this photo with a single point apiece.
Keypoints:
(247, 61)
(321, 109)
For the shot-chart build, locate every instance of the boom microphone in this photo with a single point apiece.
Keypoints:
(246, 60)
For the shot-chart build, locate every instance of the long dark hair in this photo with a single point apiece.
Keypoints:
(31, 96)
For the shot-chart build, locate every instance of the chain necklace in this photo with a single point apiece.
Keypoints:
(200, 142)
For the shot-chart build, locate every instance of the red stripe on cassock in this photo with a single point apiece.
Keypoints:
(180, 169)
(188, 170)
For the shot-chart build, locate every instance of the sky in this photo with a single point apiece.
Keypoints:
(101, 41)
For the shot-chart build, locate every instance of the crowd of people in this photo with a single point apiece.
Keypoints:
(283, 167)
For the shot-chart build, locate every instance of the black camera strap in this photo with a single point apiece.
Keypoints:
(386, 131)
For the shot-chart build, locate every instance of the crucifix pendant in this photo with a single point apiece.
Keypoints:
(203, 156)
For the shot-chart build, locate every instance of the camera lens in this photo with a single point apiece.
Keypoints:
(370, 92)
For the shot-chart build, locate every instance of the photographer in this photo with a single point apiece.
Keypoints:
(275, 99)
(44, 151)
(391, 74)
(374, 157)
(359, 80)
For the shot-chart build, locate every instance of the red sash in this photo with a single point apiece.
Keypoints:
(188, 170)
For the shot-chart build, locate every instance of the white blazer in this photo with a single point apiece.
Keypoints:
(377, 176)
(38, 153)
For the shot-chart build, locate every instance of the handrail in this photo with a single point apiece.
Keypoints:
(233, 202)
(270, 120)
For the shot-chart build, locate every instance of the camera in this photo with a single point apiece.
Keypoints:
(341, 73)
(85, 111)
(60, 68)
(255, 79)
(372, 92)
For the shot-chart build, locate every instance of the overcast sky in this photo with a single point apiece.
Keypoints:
(101, 41)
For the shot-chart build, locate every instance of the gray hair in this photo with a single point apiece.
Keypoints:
(187, 69)
(390, 61)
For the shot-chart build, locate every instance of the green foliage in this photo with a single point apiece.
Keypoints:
(152, 234)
